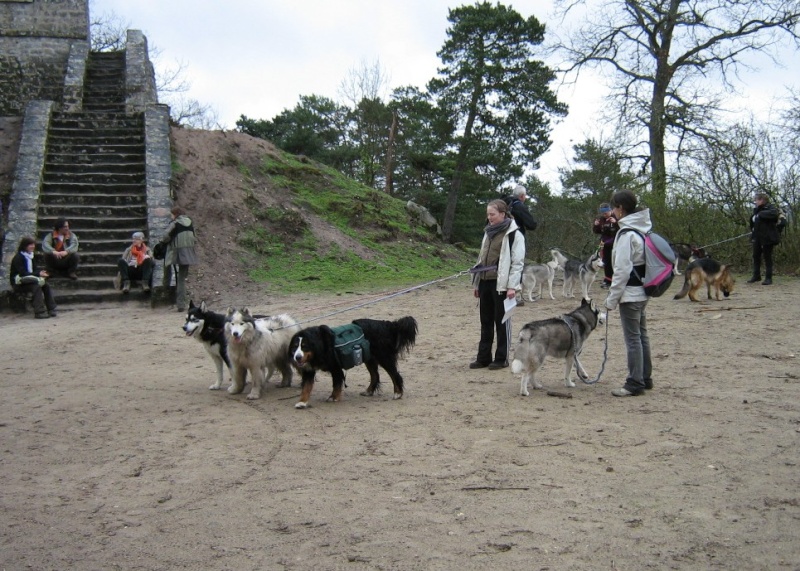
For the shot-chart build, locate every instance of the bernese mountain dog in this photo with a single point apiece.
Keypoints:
(313, 349)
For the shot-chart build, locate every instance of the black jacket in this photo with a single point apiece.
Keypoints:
(521, 214)
(764, 225)
(19, 267)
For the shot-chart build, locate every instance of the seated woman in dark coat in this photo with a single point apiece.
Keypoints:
(27, 278)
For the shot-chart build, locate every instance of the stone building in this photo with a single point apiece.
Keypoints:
(92, 142)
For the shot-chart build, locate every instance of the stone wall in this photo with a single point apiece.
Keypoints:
(158, 167)
(27, 179)
(35, 41)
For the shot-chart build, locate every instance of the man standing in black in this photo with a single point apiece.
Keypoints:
(765, 235)
(520, 212)
(521, 215)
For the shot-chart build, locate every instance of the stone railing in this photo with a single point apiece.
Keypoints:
(22, 208)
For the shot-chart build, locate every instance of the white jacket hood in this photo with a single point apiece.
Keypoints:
(628, 252)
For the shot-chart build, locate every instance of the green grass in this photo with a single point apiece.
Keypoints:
(285, 255)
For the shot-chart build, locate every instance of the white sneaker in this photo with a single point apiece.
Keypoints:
(623, 392)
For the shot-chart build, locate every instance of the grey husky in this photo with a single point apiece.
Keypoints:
(577, 271)
(559, 337)
(539, 274)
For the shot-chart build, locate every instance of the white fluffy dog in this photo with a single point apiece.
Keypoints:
(258, 344)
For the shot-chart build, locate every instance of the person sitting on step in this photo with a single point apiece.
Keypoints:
(136, 263)
(27, 278)
(60, 249)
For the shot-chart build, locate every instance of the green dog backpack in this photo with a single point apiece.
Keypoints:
(350, 346)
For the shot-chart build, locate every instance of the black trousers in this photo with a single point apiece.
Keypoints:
(43, 300)
(492, 310)
(764, 250)
(608, 266)
(144, 272)
(66, 265)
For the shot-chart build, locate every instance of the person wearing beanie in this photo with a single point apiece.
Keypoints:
(136, 263)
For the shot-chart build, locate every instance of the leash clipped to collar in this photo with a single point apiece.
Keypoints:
(573, 337)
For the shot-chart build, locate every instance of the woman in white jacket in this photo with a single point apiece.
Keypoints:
(627, 291)
(497, 277)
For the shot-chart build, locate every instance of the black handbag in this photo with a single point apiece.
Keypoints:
(160, 251)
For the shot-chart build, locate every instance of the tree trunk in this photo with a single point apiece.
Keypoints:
(389, 186)
(461, 166)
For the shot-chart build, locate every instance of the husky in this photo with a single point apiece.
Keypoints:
(209, 328)
(561, 337)
(710, 272)
(258, 344)
(538, 274)
(585, 272)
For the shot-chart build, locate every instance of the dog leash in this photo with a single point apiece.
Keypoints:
(578, 350)
(728, 240)
(381, 298)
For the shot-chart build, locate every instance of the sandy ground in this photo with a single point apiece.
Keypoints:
(115, 455)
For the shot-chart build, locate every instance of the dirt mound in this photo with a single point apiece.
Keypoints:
(215, 173)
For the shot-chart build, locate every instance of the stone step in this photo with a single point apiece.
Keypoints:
(93, 120)
(93, 199)
(104, 295)
(85, 188)
(83, 223)
(106, 178)
(117, 214)
(96, 148)
(93, 167)
(92, 159)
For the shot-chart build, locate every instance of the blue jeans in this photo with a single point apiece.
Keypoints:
(637, 342)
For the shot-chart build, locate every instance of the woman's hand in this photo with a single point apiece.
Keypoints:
(511, 293)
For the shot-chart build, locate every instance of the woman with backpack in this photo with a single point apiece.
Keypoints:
(627, 291)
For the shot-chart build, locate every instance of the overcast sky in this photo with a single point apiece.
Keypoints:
(257, 57)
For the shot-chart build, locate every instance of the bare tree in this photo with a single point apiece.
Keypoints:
(107, 32)
(672, 59)
(364, 82)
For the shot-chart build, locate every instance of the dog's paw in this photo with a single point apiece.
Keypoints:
(234, 390)
(397, 396)
(214, 387)
(569, 383)
(253, 395)
(524, 393)
(301, 404)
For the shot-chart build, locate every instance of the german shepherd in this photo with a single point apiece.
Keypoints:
(712, 273)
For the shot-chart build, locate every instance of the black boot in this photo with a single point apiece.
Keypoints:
(754, 279)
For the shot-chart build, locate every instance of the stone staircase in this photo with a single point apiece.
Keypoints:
(94, 176)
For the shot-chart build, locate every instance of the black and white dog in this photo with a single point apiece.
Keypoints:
(209, 329)
(314, 349)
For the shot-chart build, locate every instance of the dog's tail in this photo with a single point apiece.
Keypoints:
(686, 285)
(395, 336)
(406, 333)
